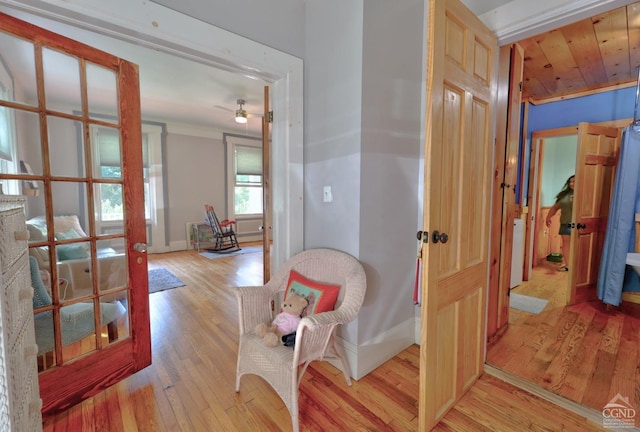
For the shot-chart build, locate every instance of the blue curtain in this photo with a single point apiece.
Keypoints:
(615, 276)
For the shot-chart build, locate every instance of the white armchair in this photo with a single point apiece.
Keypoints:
(282, 367)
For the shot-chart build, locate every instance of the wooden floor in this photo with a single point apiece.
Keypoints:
(587, 353)
(190, 385)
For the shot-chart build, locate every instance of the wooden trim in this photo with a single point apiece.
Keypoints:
(546, 133)
(589, 414)
(582, 94)
(526, 210)
(266, 190)
(502, 105)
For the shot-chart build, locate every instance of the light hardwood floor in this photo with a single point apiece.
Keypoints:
(190, 385)
(587, 353)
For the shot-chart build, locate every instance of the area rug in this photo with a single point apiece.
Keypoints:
(527, 303)
(161, 279)
(242, 251)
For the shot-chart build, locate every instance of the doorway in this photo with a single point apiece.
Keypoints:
(575, 345)
(228, 52)
(554, 152)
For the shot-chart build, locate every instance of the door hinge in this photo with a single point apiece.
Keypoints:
(270, 117)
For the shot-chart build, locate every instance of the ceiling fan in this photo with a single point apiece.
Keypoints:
(241, 115)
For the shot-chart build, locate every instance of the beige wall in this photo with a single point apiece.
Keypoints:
(195, 169)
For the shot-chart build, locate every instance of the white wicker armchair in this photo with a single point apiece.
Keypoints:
(315, 335)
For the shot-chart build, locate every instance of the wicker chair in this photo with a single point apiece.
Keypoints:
(282, 367)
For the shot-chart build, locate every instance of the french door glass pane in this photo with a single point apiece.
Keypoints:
(78, 329)
(61, 68)
(101, 92)
(109, 206)
(43, 322)
(105, 152)
(66, 149)
(69, 200)
(74, 267)
(18, 60)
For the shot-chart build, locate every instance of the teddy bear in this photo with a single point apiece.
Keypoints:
(286, 322)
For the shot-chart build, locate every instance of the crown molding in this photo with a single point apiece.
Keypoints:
(520, 19)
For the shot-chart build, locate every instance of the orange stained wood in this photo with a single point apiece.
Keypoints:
(99, 363)
(595, 169)
(266, 189)
(461, 87)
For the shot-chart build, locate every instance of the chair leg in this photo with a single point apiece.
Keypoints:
(238, 374)
(339, 351)
(112, 330)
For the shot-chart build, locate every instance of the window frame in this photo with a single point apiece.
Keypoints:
(231, 141)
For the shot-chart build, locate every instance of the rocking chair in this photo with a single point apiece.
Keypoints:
(223, 232)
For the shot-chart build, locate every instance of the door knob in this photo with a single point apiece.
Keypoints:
(140, 247)
(581, 226)
(437, 236)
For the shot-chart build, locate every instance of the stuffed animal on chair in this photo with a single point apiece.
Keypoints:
(286, 322)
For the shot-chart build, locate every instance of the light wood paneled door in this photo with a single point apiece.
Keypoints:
(462, 61)
(595, 169)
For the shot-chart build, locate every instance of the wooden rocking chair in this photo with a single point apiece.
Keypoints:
(223, 232)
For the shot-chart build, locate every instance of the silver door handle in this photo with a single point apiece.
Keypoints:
(140, 247)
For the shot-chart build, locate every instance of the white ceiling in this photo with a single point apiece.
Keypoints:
(172, 88)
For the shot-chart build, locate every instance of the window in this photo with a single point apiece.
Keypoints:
(247, 180)
(107, 165)
(109, 195)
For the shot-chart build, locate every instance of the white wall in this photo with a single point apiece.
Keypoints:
(363, 138)
(392, 116)
(333, 91)
(275, 23)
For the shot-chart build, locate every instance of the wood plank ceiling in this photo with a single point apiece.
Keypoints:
(584, 57)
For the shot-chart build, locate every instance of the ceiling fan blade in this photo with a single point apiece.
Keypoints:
(224, 108)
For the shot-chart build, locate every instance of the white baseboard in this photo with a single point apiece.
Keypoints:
(179, 245)
(368, 356)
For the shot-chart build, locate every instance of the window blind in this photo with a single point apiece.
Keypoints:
(109, 148)
(248, 160)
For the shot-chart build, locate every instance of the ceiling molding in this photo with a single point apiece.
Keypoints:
(520, 19)
(194, 131)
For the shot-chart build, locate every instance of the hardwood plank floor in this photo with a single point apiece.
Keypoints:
(190, 384)
(587, 353)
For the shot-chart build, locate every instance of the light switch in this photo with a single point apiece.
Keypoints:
(328, 197)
